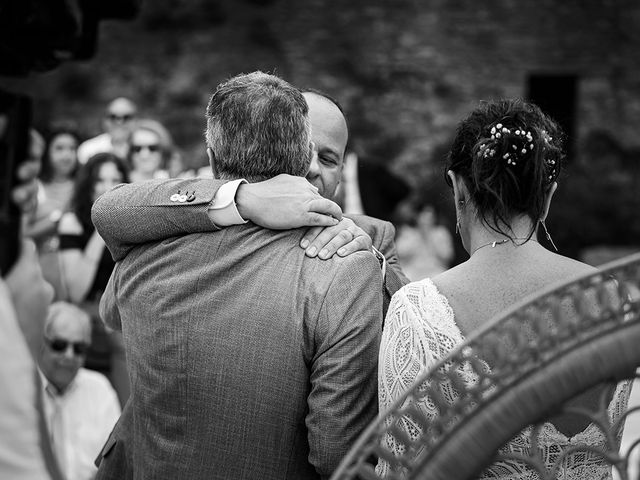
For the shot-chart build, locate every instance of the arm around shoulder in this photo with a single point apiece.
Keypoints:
(132, 214)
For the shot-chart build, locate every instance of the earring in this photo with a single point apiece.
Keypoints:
(457, 226)
(546, 232)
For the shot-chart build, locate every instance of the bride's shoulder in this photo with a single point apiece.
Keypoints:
(423, 295)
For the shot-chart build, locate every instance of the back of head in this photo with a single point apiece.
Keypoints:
(258, 127)
(509, 153)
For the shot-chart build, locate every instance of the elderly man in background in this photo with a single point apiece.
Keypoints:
(117, 123)
(81, 406)
(248, 358)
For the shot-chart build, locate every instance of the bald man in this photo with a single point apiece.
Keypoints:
(117, 123)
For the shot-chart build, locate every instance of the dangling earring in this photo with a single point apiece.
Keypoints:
(461, 202)
(546, 232)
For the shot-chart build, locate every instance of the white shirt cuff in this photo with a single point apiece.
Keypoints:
(223, 211)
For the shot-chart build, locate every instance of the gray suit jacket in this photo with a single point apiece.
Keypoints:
(247, 358)
(173, 218)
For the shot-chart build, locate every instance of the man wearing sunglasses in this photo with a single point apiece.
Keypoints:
(80, 405)
(117, 123)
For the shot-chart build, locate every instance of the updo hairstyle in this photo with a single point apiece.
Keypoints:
(508, 153)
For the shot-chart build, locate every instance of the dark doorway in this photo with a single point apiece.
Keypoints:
(557, 96)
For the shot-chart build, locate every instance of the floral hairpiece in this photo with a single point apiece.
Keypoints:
(521, 144)
(518, 143)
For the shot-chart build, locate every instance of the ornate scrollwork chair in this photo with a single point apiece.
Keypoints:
(528, 365)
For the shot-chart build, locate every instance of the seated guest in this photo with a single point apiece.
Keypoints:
(87, 265)
(81, 407)
(150, 150)
(502, 167)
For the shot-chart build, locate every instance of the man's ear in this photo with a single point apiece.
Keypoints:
(547, 200)
(212, 162)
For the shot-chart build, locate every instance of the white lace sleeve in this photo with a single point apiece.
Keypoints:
(419, 330)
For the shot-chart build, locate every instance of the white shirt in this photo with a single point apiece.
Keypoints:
(100, 144)
(88, 410)
(20, 454)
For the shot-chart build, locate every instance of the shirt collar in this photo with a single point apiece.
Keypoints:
(51, 390)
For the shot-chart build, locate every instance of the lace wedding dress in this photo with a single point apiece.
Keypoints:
(419, 331)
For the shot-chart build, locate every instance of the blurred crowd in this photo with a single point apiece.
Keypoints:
(81, 362)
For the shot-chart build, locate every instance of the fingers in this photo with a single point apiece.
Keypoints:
(28, 171)
(325, 242)
(344, 237)
(325, 207)
(25, 196)
(310, 236)
(358, 244)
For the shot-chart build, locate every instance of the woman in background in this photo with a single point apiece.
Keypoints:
(150, 151)
(87, 264)
(57, 174)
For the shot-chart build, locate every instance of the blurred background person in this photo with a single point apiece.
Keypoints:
(80, 405)
(57, 176)
(25, 450)
(425, 246)
(370, 188)
(86, 264)
(117, 123)
(150, 151)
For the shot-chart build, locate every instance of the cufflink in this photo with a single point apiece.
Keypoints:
(191, 196)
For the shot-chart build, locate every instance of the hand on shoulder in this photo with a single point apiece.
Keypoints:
(344, 238)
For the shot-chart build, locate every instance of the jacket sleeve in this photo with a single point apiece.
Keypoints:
(343, 371)
(136, 213)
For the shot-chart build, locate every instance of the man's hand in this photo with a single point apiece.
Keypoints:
(285, 202)
(344, 238)
(25, 194)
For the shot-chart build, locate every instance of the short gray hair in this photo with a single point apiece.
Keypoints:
(258, 127)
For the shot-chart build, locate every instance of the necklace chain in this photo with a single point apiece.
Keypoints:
(493, 244)
(500, 242)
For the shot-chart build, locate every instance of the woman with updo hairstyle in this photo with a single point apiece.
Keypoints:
(86, 264)
(502, 168)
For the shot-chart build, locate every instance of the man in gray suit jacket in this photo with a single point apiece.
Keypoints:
(248, 359)
(329, 134)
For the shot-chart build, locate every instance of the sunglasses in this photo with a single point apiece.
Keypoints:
(139, 148)
(58, 345)
(120, 118)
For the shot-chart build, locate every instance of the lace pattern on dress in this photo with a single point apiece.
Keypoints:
(420, 330)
